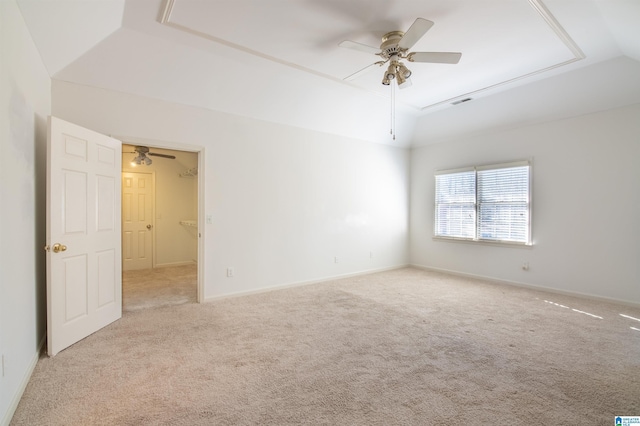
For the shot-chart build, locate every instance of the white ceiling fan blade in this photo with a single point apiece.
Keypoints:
(364, 70)
(419, 28)
(173, 157)
(359, 47)
(435, 57)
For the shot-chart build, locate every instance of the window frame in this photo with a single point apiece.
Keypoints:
(476, 239)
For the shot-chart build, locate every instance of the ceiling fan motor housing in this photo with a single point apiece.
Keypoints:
(389, 46)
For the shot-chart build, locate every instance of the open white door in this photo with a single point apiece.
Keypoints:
(84, 269)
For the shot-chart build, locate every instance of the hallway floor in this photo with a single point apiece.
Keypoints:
(151, 288)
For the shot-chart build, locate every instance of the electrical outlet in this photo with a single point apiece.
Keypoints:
(209, 219)
(371, 255)
(525, 266)
(335, 259)
(230, 272)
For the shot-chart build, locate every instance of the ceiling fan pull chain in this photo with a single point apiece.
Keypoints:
(393, 112)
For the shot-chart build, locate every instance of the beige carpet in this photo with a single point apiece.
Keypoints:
(405, 347)
(152, 288)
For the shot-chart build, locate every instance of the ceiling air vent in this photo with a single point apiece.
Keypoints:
(460, 101)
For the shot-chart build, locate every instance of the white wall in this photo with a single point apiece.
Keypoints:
(586, 205)
(175, 200)
(25, 103)
(284, 201)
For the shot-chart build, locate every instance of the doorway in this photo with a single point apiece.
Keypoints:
(160, 235)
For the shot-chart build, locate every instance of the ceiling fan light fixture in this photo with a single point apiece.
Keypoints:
(140, 159)
(391, 72)
(402, 69)
(403, 82)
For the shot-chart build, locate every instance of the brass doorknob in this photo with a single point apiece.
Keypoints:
(149, 226)
(57, 247)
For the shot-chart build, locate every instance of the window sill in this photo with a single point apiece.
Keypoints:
(484, 242)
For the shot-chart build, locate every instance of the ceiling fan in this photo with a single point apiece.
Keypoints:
(142, 158)
(395, 47)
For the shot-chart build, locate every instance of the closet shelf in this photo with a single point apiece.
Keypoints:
(192, 172)
(193, 223)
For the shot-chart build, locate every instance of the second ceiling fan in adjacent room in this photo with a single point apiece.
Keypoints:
(143, 153)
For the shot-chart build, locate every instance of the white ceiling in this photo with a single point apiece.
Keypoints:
(523, 61)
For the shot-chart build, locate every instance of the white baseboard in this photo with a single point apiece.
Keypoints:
(302, 283)
(525, 285)
(168, 265)
(11, 409)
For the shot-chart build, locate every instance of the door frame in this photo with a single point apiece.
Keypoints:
(200, 150)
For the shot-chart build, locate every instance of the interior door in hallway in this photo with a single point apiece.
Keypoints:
(137, 220)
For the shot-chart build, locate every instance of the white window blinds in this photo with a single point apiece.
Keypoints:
(456, 204)
(489, 203)
(503, 204)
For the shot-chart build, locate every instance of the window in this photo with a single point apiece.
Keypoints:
(489, 203)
